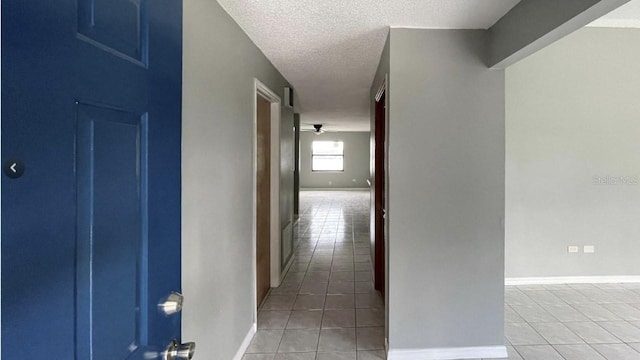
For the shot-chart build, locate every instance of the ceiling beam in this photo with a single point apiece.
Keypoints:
(534, 24)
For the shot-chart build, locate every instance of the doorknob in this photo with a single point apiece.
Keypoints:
(172, 304)
(177, 351)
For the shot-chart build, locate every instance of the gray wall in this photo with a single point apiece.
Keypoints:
(446, 191)
(287, 161)
(220, 63)
(532, 25)
(573, 112)
(356, 161)
(528, 21)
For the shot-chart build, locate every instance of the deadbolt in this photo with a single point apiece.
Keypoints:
(172, 304)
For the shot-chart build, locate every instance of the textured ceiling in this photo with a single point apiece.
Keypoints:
(329, 49)
(626, 16)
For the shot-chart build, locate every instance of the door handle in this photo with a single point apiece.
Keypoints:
(172, 304)
(178, 351)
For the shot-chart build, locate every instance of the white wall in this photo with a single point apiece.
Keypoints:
(220, 63)
(573, 113)
(356, 161)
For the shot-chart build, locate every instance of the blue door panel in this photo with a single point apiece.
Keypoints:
(118, 25)
(110, 269)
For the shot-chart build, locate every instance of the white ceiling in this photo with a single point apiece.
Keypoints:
(329, 49)
(626, 16)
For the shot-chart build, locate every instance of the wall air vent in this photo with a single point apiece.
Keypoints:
(288, 97)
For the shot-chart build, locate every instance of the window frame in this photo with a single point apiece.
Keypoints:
(313, 155)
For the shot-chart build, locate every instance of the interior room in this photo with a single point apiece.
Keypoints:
(571, 188)
(320, 180)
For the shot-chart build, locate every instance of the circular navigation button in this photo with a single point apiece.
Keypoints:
(13, 168)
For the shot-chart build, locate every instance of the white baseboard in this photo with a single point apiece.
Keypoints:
(557, 280)
(245, 343)
(336, 189)
(479, 352)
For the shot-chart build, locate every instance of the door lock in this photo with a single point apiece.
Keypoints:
(178, 351)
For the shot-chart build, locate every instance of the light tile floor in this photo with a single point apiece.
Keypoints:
(327, 309)
(573, 322)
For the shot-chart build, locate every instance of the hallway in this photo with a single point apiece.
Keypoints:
(326, 308)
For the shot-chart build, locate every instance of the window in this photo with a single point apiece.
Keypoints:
(327, 156)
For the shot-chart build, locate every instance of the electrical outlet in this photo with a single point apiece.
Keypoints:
(573, 249)
(589, 249)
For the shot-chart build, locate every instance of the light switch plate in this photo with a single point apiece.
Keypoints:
(589, 249)
(573, 249)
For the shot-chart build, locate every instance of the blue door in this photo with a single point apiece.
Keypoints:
(91, 107)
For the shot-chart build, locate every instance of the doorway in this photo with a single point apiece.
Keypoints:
(263, 201)
(379, 211)
(266, 227)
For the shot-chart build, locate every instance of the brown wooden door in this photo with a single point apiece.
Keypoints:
(263, 199)
(380, 206)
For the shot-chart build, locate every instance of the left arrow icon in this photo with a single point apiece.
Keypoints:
(14, 168)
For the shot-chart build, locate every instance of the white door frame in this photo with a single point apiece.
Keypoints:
(261, 89)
